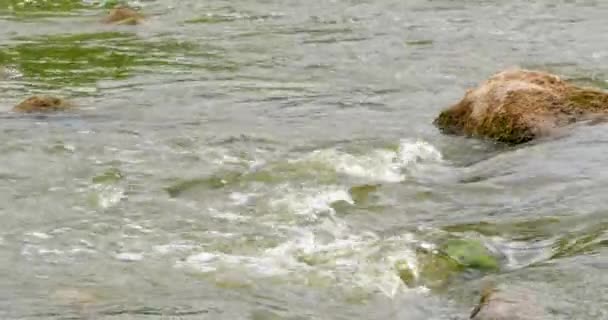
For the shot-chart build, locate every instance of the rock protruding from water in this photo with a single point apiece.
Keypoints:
(436, 268)
(42, 104)
(122, 14)
(516, 106)
(508, 303)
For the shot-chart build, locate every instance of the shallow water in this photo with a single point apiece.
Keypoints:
(276, 159)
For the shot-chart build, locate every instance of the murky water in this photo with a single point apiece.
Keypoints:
(276, 160)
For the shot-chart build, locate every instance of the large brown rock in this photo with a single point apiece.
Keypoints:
(516, 106)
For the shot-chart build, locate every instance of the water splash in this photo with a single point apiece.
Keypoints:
(381, 165)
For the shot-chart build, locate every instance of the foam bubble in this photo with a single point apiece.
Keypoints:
(412, 152)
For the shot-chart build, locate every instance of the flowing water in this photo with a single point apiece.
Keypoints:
(276, 159)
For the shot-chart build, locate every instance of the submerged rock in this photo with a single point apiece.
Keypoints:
(471, 254)
(361, 194)
(74, 296)
(122, 14)
(42, 104)
(109, 176)
(437, 267)
(516, 106)
(220, 180)
(508, 303)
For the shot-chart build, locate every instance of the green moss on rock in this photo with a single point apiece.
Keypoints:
(517, 106)
(406, 274)
(436, 268)
(471, 254)
(361, 194)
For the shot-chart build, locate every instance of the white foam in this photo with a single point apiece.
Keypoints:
(174, 247)
(383, 165)
(39, 235)
(361, 261)
(228, 216)
(378, 165)
(412, 152)
(309, 201)
(108, 196)
(78, 250)
(138, 228)
(43, 251)
(129, 256)
(240, 198)
(256, 266)
(324, 246)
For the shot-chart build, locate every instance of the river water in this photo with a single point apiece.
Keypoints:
(276, 159)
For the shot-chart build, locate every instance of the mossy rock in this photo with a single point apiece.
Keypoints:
(436, 268)
(517, 106)
(361, 194)
(405, 272)
(37, 104)
(471, 254)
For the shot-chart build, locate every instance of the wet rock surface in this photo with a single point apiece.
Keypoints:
(517, 106)
(505, 302)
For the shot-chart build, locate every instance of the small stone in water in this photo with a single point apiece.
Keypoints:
(122, 14)
(42, 104)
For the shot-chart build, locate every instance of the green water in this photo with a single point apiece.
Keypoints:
(276, 160)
